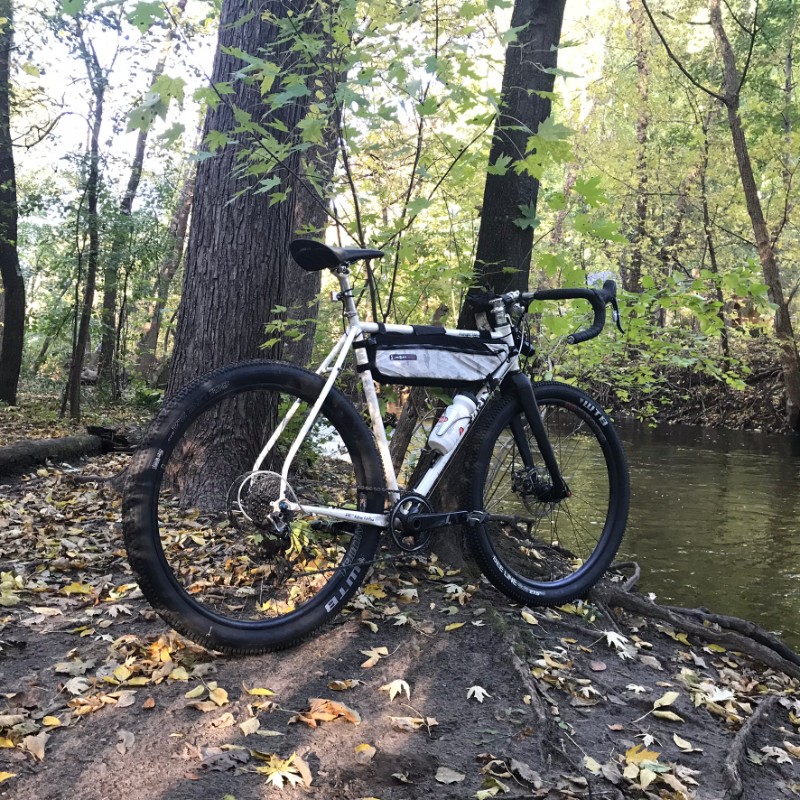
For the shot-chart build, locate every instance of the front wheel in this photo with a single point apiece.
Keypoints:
(535, 550)
(219, 551)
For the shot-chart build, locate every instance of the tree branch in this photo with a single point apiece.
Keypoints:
(677, 61)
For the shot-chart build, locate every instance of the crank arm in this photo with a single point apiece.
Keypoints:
(416, 523)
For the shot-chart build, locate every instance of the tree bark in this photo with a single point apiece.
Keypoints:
(501, 243)
(632, 277)
(19, 457)
(13, 297)
(790, 362)
(238, 250)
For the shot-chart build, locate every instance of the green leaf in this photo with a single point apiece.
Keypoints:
(557, 201)
(591, 191)
(145, 14)
(72, 7)
(552, 131)
(601, 229)
(173, 133)
(428, 108)
(417, 204)
(500, 167)
(528, 218)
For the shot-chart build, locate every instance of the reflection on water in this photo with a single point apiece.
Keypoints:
(715, 521)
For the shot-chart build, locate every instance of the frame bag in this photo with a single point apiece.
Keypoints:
(432, 359)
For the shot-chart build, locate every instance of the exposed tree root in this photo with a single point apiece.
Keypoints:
(730, 632)
(736, 755)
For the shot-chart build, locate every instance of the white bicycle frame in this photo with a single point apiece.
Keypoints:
(333, 364)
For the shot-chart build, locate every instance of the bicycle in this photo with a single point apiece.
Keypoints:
(255, 504)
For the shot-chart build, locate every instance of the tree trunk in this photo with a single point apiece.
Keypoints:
(97, 81)
(13, 297)
(237, 255)
(122, 232)
(632, 277)
(166, 272)
(501, 243)
(790, 363)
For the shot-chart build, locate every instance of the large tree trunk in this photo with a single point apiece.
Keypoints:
(790, 363)
(525, 104)
(13, 297)
(148, 342)
(235, 271)
(501, 243)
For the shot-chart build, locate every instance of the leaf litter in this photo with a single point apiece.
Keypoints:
(83, 658)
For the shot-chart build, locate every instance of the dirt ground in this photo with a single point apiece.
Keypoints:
(435, 686)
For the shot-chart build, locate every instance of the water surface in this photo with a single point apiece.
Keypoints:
(715, 521)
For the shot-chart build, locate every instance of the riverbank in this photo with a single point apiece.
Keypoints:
(433, 685)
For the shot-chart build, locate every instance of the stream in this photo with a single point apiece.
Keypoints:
(715, 521)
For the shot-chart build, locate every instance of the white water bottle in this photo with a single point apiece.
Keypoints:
(453, 423)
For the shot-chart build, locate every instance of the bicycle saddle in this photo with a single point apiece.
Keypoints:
(315, 256)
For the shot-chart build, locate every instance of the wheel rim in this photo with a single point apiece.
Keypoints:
(222, 550)
(543, 543)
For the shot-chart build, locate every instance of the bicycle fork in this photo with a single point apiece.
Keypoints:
(523, 388)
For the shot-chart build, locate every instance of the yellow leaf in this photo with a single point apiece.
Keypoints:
(375, 655)
(51, 722)
(454, 625)
(716, 648)
(179, 674)
(666, 699)
(647, 776)
(122, 673)
(682, 743)
(592, 765)
(670, 715)
(638, 754)
(219, 696)
(374, 590)
(138, 680)
(193, 694)
(631, 772)
(77, 588)
(529, 618)
(260, 692)
(5, 742)
(4, 776)
(365, 753)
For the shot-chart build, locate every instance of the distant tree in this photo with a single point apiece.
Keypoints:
(13, 297)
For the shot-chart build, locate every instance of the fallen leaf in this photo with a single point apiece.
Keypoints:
(36, 744)
(250, 725)
(322, 710)
(4, 776)
(592, 765)
(792, 749)
(126, 739)
(685, 745)
(454, 626)
(406, 723)
(149, 703)
(638, 754)
(396, 687)
(198, 691)
(51, 722)
(260, 692)
(342, 686)
(375, 655)
(77, 588)
(364, 753)
(447, 775)
(646, 777)
(666, 699)
(670, 715)
(478, 692)
(218, 695)
(528, 617)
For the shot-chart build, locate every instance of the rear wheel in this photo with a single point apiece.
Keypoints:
(214, 555)
(534, 550)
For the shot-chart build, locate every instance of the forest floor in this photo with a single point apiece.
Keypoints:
(431, 684)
